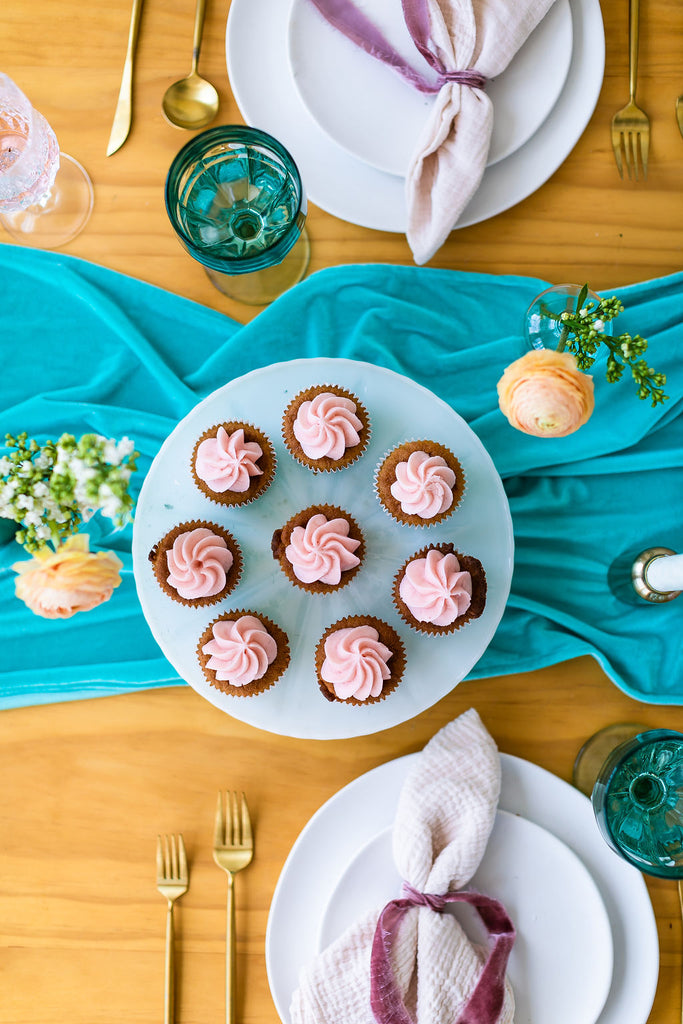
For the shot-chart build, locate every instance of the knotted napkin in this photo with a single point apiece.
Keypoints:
(411, 961)
(465, 42)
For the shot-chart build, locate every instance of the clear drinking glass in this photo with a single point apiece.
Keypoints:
(46, 197)
(235, 199)
(638, 801)
(542, 323)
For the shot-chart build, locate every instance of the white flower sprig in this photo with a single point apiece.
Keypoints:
(51, 489)
(582, 334)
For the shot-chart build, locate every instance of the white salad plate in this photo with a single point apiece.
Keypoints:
(372, 112)
(554, 831)
(560, 967)
(399, 410)
(351, 189)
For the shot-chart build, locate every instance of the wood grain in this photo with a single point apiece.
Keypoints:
(584, 223)
(86, 786)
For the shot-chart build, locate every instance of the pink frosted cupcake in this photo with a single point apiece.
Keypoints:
(243, 653)
(197, 563)
(438, 590)
(419, 483)
(326, 428)
(320, 549)
(233, 463)
(359, 660)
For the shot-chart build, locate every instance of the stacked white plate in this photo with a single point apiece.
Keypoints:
(351, 122)
(586, 950)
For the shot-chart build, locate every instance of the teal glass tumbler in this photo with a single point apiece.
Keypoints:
(638, 802)
(235, 199)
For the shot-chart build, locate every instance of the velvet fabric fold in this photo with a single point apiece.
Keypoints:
(87, 349)
(485, 1003)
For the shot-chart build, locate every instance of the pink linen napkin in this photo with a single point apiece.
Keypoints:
(409, 962)
(450, 157)
(466, 42)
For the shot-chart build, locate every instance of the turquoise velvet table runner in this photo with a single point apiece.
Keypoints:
(86, 349)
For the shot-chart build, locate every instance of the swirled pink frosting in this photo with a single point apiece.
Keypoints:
(355, 662)
(435, 589)
(227, 462)
(326, 426)
(322, 550)
(198, 563)
(241, 650)
(424, 485)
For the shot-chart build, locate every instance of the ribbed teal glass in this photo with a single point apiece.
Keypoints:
(235, 199)
(638, 802)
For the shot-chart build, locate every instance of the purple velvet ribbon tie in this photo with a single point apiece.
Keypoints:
(347, 18)
(485, 1003)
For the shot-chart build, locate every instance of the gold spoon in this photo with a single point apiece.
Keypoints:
(192, 102)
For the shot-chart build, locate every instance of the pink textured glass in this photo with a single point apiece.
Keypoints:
(45, 196)
(29, 152)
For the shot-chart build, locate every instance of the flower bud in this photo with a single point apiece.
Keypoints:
(544, 394)
(57, 584)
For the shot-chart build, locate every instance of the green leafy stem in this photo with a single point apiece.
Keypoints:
(582, 334)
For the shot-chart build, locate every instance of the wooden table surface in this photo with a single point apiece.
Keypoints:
(86, 786)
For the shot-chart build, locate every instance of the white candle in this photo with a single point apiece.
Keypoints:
(665, 573)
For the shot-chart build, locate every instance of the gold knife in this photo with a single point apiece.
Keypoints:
(124, 107)
(679, 113)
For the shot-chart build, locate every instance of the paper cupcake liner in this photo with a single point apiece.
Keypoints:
(259, 484)
(274, 671)
(281, 539)
(384, 477)
(388, 636)
(159, 566)
(324, 464)
(468, 563)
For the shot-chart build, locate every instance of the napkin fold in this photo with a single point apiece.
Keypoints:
(94, 350)
(465, 43)
(410, 961)
(451, 154)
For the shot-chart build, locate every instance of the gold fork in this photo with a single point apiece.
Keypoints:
(233, 848)
(630, 125)
(172, 882)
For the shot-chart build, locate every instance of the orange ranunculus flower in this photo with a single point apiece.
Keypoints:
(544, 394)
(57, 584)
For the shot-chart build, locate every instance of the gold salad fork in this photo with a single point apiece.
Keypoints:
(630, 125)
(233, 849)
(172, 882)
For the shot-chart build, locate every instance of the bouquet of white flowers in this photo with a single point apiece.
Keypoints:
(49, 490)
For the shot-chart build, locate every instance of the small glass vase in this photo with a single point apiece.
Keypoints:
(543, 327)
(638, 801)
(235, 199)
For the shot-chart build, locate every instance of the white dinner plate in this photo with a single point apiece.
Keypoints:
(399, 410)
(340, 829)
(370, 110)
(263, 87)
(560, 967)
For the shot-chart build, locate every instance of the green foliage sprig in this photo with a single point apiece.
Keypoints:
(51, 489)
(582, 335)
